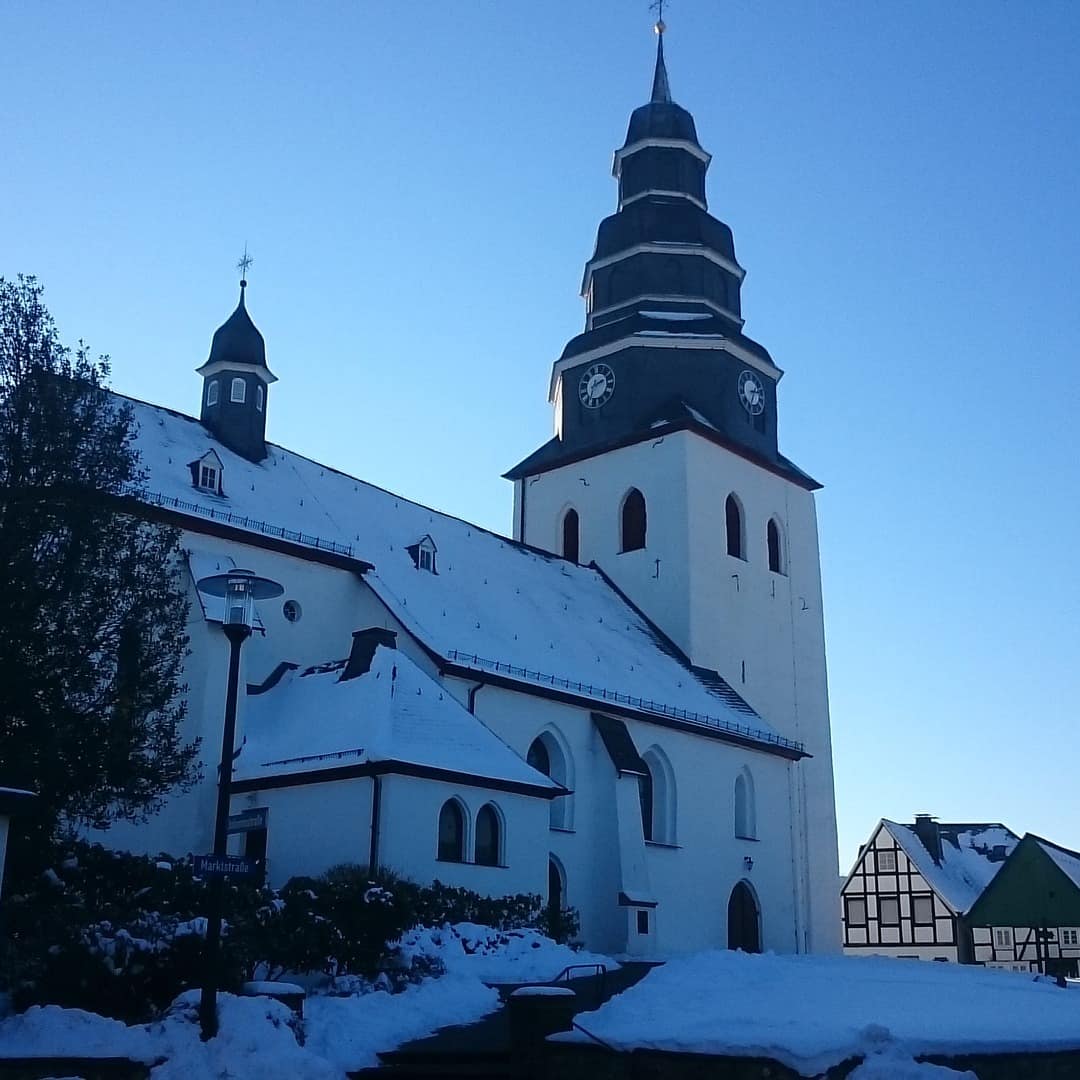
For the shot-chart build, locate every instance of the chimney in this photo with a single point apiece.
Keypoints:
(926, 829)
(364, 644)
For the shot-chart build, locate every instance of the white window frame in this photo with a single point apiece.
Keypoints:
(238, 391)
(212, 392)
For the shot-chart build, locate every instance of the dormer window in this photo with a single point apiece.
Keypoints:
(212, 392)
(238, 392)
(423, 554)
(206, 473)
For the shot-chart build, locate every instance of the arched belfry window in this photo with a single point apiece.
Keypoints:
(634, 521)
(733, 518)
(550, 755)
(452, 832)
(775, 542)
(489, 839)
(745, 810)
(571, 535)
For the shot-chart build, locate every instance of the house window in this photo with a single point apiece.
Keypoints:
(488, 836)
(452, 832)
(208, 477)
(922, 910)
(571, 536)
(886, 862)
(427, 559)
(1070, 937)
(259, 397)
(745, 811)
(774, 541)
(734, 522)
(1003, 939)
(855, 910)
(889, 910)
(212, 392)
(634, 521)
(238, 391)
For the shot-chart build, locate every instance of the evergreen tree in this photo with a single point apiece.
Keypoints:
(93, 608)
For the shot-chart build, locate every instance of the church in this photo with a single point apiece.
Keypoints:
(623, 707)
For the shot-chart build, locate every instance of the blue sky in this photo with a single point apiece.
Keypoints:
(420, 184)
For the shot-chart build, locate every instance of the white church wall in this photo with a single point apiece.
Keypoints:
(409, 830)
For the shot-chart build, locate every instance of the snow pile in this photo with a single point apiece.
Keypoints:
(813, 1012)
(351, 1031)
(496, 956)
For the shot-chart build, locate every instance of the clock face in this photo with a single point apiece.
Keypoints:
(751, 393)
(596, 386)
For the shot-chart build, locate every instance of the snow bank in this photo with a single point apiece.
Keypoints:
(351, 1031)
(497, 956)
(812, 1012)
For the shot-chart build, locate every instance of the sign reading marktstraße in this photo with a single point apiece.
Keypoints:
(225, 865)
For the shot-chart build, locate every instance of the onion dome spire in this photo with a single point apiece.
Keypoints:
(661, 90)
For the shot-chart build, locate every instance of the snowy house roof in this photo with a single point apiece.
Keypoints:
(304, 723)
(495, 606)
(971, 855)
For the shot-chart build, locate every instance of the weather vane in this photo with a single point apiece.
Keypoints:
(658, 7)
(243, 265)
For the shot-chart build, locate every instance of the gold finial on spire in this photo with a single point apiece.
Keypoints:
(243, 265)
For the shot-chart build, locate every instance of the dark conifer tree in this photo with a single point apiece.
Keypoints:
(93, 607)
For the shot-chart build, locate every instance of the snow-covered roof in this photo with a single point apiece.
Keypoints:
(312, 720)
(1067, 861)
(494, 606)
(968, 863)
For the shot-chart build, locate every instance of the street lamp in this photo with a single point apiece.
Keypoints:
(239, 589)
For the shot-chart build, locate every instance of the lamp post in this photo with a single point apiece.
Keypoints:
(239, 589)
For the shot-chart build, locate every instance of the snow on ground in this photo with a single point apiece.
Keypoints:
(497, 956)
(812, 1012)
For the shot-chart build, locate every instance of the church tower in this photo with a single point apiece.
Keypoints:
(664, 469)
(236, 382)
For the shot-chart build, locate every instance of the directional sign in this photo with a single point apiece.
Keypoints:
(225, 865)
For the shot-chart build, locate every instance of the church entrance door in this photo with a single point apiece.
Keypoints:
(744, 920)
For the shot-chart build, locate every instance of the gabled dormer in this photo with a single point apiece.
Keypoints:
(235, 385)
(206, 473)
(424, 553)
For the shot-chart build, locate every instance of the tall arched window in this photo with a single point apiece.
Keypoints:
(745, 809)
(775, 544)
(634, 521)
(452, 832)
(550, 755)
(661, 785)
(488, 836)
(733, 518)
(571, 535)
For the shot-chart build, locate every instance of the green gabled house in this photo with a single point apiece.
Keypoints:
(1028, 917)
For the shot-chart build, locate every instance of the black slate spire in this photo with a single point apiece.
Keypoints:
(236, 381)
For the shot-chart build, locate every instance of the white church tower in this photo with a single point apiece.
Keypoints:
(664, 468)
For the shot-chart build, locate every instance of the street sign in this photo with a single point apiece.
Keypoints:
(248, 820)
(225, 866)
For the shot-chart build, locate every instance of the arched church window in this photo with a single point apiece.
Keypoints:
(238, 392)
(774, 542)
(571, 535)
(733, 518)
(661, 785)
(745, 810)
(452, 832)
(550, 755)
(634, 521)
(212, 392)
(488, 836)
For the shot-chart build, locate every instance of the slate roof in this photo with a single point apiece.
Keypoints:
(310, 721)
(495, 606)
(968, 863)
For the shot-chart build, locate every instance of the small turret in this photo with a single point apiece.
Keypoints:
(236, 381)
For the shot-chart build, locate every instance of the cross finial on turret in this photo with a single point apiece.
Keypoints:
(243, 265)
